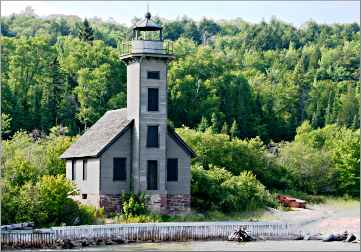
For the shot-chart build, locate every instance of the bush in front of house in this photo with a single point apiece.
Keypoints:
(218, 189)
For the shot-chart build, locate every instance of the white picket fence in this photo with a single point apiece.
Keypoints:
(166, 231)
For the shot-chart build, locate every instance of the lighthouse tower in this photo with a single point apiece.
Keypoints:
(147, 57)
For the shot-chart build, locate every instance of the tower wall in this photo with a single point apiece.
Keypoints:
(137, 100)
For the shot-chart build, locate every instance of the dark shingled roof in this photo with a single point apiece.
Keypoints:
(105, 132)
(99, 136)
(147, 24)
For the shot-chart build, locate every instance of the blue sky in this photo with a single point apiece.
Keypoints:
(295, 12)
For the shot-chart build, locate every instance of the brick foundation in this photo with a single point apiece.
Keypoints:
(178, 203)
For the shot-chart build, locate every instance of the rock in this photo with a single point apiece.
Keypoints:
(77, 243)
(99, 242)
(328, 238)
(109, 242)
(240, 235)
(313, 237)
(350, 237)
(118, 240)
(84, 243)
(67, 244)
(335, 237)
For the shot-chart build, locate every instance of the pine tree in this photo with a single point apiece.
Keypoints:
(234, 129)
(298, 79)
(225, 128)
(86, 32)
(355, 122)
(51, 96)
(214, 123)
(203, 125)
(316, 118)
(328, 113)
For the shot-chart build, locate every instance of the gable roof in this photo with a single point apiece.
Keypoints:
(100, 136)
(112, 125)
(181, 143)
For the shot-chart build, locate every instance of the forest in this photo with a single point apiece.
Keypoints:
(280, 103)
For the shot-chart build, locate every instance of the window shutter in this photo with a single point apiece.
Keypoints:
(153, 99)
(119, 169)
(152, 136)
(172, 169)
(152, 175)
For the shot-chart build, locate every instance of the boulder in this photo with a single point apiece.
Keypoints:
(240, 235)
(313, 237)
(85, 243)
(350, 237)
(67, 244)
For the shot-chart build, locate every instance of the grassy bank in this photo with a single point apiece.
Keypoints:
(336, 203)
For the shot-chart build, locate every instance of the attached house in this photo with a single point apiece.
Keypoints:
(132, 149)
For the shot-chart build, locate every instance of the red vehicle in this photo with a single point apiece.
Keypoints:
(291, 202)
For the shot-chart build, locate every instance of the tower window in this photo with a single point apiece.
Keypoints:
(85, 169)
(155, 75)
(119, 169)
(152, 136)
(152, 175)
(153, 99)
(73, 169)
(172, 169)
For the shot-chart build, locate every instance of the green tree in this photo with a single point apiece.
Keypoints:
(234, 129)
(86, 32)
(203, 125)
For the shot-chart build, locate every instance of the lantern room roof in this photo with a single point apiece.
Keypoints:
(147, 24)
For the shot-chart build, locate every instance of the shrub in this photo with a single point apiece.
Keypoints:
(89, 214)
(46, 202)
(217, 189)
(207, 192)
(310, 168)
(236, 155)
(143, 218)
(325, 160)
(245, 192)
(132, 204)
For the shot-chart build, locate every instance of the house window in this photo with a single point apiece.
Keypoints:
(153, 99)
(155, 75)
(85, 169)
(84, 196)
(172, 169)
(73, 169)
(119, 169)
(152, 175)
(152, 136)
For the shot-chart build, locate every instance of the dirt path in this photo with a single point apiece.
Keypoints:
(331, 217)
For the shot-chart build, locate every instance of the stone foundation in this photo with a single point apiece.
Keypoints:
(178, 203)
(157, 203)
(110, 202)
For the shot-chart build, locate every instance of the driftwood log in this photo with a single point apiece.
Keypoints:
(345, 236)
(241, 235)
(18, 226)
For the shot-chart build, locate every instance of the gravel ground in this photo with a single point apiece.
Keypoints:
(325, 218)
